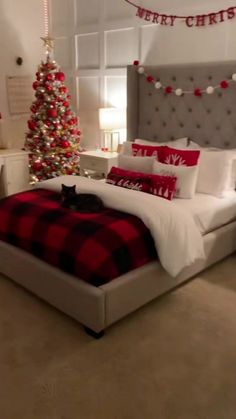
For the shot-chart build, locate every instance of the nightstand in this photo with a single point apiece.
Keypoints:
(14, 171)
(97, 161)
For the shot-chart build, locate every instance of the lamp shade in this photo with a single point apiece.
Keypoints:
(112, 118)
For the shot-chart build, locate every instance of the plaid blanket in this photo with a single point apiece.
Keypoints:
(96, 247)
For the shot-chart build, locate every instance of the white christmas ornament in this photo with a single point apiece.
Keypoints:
(234, 77)
(158, 85)
(210, 90)
(179, 92)
(140, 70)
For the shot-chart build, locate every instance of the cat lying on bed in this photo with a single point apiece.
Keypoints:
(82, 202)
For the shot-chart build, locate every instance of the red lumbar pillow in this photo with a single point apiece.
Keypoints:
(147, 150)
(163, 186)
(179, 157)
(128, 179)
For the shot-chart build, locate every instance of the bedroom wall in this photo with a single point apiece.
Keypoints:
(96, 39)
(21, 25)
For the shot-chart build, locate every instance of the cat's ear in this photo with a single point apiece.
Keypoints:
(63, 186)
(74, 187)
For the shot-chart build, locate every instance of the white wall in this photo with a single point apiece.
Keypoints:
(96, 39)
(21, 25)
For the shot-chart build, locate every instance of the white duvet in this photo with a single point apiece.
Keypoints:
(178, 241)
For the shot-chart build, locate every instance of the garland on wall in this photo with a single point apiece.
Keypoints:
(199, 20)
(198, 92)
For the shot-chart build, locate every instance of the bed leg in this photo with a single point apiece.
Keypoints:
(95, 335)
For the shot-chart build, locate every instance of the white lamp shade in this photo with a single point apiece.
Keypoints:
(111, 119)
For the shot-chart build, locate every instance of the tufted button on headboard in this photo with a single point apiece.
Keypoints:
(210, 120)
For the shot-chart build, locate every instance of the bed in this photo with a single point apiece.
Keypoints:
(154, 116)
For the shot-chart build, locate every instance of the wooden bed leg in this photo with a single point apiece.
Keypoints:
(95, 335)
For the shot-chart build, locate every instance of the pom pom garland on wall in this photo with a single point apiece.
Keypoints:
(198, 92)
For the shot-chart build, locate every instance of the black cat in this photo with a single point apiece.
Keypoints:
(82, 202)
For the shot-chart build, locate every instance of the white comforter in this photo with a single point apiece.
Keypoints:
(177, 239)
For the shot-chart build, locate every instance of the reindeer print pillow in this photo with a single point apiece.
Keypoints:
(179, 157)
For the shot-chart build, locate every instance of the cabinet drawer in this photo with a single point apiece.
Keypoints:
(93, 163)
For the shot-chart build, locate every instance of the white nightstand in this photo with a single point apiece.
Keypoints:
(98, 161)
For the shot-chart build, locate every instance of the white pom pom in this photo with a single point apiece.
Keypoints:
(210, 90)
(140, 70)
(158, 85)
(234, 77)
(179, 92)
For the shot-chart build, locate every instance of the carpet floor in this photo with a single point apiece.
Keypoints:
(175, 358)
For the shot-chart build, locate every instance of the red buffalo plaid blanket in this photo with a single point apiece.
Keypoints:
(96, 247)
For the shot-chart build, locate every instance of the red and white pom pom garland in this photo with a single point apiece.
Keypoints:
(198, 92)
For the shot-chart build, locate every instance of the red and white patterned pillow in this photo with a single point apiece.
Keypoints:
(178, 157)
(162, 186)
(143, 150)
(128, 179)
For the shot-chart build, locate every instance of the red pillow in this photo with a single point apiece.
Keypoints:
(163, 186)
(179, 157)
(147, 150)
(129, 179)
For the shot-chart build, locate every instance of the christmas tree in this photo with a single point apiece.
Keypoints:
(53, 137)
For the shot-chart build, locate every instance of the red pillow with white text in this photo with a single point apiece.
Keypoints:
(128, 179)
(178, 157)
(143, 150)
(163, 186)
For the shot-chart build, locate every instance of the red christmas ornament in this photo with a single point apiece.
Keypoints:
(37, 165)
(53, 144)
(67, 112)
(224, 84)
(35, 85)
(52, 112)
(73, 131)
(150, 79)
(49, 77)
(198, 92)
(69, 97)
(136, 62)
(68, 155)
(60, 76)
(32, 124)
(49, 88)
(169, 89)
(78, 132)
(66, 104)
(69, 171)
(63, 89)
(65, 144)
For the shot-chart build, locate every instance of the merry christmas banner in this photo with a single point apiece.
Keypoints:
(198, 20)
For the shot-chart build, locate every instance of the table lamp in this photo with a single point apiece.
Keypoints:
(111, 121)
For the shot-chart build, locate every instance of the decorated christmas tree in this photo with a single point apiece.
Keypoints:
(53, 137)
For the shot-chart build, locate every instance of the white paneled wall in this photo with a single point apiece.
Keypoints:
(96, 39)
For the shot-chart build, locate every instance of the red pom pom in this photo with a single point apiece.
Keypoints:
(224, 84)
(136, 62)
(150, 79)
(35, 85)
(60, 76)
(169, 89)
(52, 112)
(32, 124)
(198, 92)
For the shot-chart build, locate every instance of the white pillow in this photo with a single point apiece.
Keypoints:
(180, 143)
(127, 148)
(186, 177)
(215, 170)
(137, 164)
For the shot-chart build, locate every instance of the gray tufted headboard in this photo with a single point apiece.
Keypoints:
(154, 115)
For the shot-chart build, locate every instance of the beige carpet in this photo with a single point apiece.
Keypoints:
(173, 359)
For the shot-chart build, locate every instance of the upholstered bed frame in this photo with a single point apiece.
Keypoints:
(152, 115)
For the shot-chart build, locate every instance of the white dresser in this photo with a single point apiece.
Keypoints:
(14, 175)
